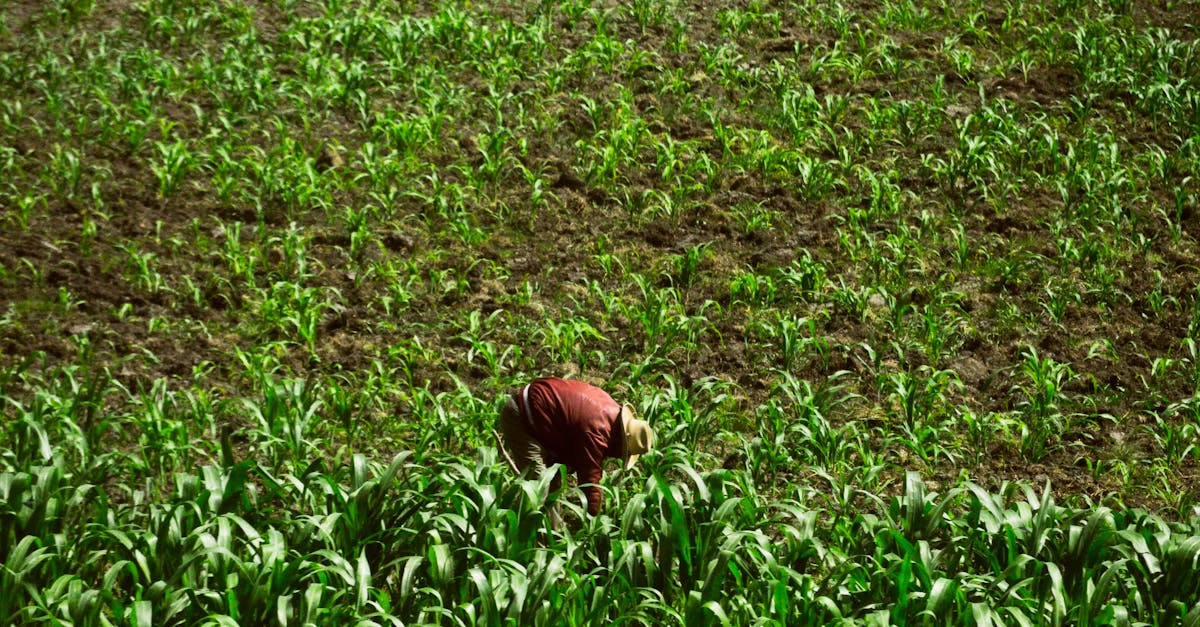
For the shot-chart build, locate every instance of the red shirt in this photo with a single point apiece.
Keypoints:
(579, 424)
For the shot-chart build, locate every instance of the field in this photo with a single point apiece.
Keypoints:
(908, 289)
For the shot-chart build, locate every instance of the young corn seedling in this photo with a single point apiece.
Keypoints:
(175, 163)
(795, 338)
(568, 341)
(283, 418)
(806, 276)
(65, 172)
(686, 266)
(1043, 420)
(753, 289)
(144, 275)
(165, 438)
(695, 411)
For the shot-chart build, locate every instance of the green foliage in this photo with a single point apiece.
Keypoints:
(855, 261)
(434, 538)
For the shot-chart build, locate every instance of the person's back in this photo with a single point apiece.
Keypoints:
(574, 423)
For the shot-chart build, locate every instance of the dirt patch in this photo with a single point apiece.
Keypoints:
(1045, 86)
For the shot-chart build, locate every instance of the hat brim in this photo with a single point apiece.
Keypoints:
(627, 421)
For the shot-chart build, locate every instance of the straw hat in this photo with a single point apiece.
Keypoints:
(639, 437)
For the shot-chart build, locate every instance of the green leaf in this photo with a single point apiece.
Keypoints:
(717, 612)
(143, 613)
(487, 596)
(1058, 592)
(677, 528)
(362, 581)
(942, 597)
(1192, 619)
(982, 614)
(441, 564)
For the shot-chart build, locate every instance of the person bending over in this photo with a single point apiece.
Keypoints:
(575, 424)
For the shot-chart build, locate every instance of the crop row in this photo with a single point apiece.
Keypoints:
(435, 539)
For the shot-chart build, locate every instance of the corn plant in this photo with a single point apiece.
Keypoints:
(1043, 416)
(795, 338)
(753, 289)
(176, 162)
(567, 341)
(266, 272)
(686, 266)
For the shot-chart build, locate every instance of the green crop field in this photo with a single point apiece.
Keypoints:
(908, 289)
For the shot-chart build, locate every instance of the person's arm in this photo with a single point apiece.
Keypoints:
(591, 488)
(590, 470)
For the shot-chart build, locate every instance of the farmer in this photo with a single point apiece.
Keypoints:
(578, 425)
